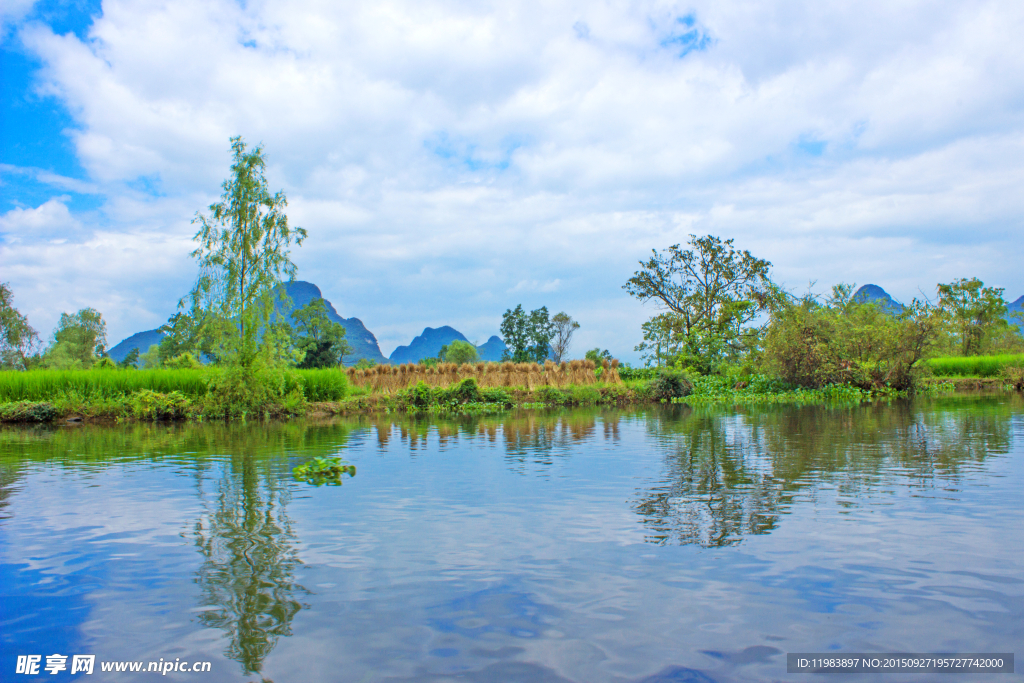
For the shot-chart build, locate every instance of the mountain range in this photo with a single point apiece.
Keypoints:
(364, 344)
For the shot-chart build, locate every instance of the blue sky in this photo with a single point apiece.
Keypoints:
(452, 160)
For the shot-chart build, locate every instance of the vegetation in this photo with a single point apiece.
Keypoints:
(973, 366)
(78, 341)
(563, 326)
(712, 292)
(458, 352)
(324, 470)
(17, 338)
(320, 339)
(527, 337)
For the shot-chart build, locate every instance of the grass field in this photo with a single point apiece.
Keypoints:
(45, 385)
(974, 366)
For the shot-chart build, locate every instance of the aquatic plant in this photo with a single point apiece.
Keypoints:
(324, 470)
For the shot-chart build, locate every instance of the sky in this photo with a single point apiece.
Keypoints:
(451, 160)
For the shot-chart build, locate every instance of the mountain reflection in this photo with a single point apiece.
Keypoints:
(730, 474)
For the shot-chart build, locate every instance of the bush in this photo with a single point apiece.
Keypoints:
(584, 396)
(496, 395)
(465, 391)
(552, 396)
(26, 411)
(150, 405)
(669, 384)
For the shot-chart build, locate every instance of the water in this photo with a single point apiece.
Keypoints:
(590, 546)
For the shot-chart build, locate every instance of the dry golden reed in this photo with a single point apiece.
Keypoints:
(391, 378)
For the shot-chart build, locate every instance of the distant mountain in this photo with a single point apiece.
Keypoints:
(362, 341)
(1016, 307)
(873, 294)
(426, 345)
(493, 349)
(140, 340)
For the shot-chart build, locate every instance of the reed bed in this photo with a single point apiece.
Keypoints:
(391, 378)
(974, 366)
(328, 384)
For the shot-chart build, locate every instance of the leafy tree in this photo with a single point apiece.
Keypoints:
(131, 358)
(564, 327)
(664, 341)
(78, 340)
(597, 355)
(196, 331)
(972, 312)
(527, 337)
(17, 338)
(243, 252)
(714, 292)
(458, 352)
(320, 339)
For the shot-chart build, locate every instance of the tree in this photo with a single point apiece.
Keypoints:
(664, 340)
(597, 356)
(458, 352)
(972, 312)
(563, 326)
(17, 338)
(713, 290)
(527, 337)
(78, 340)
(131, 358)
(196, 332)
(243, 252)
(320, 339)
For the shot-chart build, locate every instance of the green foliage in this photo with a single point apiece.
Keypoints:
(973, 366)
(669, 384)
(458, 352)
(185, 361)
(17, 338)
(105, 363)
(27, 411)
(243, 254)
(131, 359)
(810, 344)
(78, 340)
(973, 313)
(1014, 376)
(253, 390)
(496, 395)
(527, 337)
(324, 384)
(712, 292)
(552, 396)
(46, 385)
(320, 339)
(323, 470)
(564, 327)
(151, 405)
(465, 396)
(597, 356)
(365, 364)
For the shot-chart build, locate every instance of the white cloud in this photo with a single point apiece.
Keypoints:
(443, 155)
(49, 220)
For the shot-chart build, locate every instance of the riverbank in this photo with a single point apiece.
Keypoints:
(465, 398)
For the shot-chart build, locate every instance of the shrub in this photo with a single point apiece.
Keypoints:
(496, 395)
(552, 396)
(669, 384)
(1014, 377)
(465, 391)
(151, 405)
(585, 396)
(26, 411)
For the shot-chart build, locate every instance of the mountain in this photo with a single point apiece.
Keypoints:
(493, 349)
(140, 340)
(873, 294)
(362, 341)
(426, 345)
(1018, 308)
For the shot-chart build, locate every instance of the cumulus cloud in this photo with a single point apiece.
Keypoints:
(445, 155)
(49, 221)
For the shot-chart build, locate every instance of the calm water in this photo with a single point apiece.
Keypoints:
(674, 545)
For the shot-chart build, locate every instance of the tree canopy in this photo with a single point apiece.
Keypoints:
(712, 292)
(243, 251)
(527, 336)
(17, 338)
(321, 340)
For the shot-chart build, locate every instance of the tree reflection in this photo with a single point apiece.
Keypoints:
(249, 560)
(733, 473)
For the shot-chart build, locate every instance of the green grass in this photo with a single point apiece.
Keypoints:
(974, 366)
(91, 385)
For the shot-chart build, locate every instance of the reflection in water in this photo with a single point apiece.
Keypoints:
(249, 561)
(729, 475)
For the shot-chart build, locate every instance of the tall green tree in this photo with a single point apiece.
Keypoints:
(972, 312)
(713, 290)
(243, 252)
(17, 338)
(79, 339)
(527, 336)
(321, 340)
